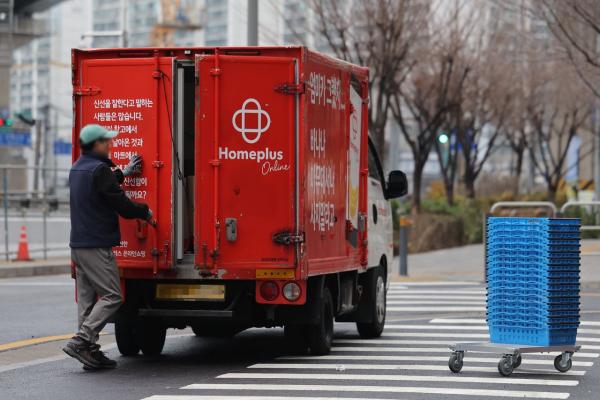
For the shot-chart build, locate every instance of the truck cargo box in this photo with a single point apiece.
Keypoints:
(277, 176)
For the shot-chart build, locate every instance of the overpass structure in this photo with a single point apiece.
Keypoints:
(17, 26)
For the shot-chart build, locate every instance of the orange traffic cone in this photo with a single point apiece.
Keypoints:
(23, 253)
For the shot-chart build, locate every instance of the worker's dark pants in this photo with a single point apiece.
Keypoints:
(98, 290)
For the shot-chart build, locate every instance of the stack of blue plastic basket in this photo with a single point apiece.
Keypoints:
(533, 280)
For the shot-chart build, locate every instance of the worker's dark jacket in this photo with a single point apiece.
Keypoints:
(96, 202)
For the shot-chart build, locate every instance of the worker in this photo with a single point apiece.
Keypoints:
(97, 201)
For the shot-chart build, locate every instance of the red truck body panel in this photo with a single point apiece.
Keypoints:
(280, 149)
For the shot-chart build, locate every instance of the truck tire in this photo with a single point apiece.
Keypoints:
(125, 333)
(151, 338)
(222, 331)
(377, 305)
(320, 336)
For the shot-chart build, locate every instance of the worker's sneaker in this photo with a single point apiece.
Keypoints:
(81, 350)
(103, 361)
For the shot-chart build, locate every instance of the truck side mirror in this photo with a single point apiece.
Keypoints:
(397, 185)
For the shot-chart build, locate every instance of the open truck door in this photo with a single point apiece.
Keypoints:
(132, 95)
(246, 157)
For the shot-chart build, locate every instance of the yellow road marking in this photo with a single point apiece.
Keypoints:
(30, 342)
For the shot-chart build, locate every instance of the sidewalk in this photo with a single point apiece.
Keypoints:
(51, 266)
(466, 263)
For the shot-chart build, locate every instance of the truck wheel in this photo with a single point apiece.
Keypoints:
(377, 306)
(320, 336)
(296, 337)
(126, 338)
(152, 338)
(216, 331)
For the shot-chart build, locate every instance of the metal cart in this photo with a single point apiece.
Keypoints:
(511, 355)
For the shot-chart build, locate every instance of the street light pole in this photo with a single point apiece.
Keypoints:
(252, 23)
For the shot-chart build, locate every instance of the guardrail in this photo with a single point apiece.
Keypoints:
(571, 204)
(24, 199)
(525, 204)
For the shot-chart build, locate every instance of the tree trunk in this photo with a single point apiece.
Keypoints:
(518, 171)
(417, 182)
(552, 189)
(449, 189)
(469, 179)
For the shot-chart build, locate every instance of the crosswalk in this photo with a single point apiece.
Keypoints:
(409, 361)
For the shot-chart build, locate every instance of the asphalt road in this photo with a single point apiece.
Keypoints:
(408, 362)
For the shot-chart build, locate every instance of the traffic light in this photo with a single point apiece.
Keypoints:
(7, 122)
(443, 138)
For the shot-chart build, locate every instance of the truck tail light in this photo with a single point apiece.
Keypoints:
(291, 291)
(269, 290)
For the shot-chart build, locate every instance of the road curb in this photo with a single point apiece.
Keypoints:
(20, 271)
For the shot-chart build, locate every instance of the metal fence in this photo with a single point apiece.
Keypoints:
(29, 199)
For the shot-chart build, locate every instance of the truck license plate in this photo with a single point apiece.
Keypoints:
(189, 292)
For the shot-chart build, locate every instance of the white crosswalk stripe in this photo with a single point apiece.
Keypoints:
(378, 389)
(409, 378)
(409, 360)
(406, 367)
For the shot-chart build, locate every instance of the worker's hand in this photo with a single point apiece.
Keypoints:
(134, 167)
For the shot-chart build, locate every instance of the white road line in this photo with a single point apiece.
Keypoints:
(406, 367)
(457, 283)
(238, 397)
(399, 378)
(437, 292)
(462, 335)
(33, 284)
(376, 349)
(433, 297)
(377, 389)
(436, 309)
(454, 303)
(465, 328)
(419, 342)
(491, 360)
(483, 321)
(436, 327)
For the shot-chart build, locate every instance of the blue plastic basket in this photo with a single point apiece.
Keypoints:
(533, 280)
(533, 336)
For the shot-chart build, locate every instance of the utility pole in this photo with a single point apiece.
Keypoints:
(252, 23)
(596, 163)
(124, 5)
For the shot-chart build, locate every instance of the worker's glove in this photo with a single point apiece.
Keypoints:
(134, 166)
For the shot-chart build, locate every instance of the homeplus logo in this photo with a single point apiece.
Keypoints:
(256, 155)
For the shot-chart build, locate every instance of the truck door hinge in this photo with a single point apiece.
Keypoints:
(287, 238)
(290, 88)
(86, 91)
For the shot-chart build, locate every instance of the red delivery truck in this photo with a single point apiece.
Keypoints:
(270, 202)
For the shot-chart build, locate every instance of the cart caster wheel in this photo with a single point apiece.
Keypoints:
(517, 361)
(505, 366)
(561, 365)
(455, 363)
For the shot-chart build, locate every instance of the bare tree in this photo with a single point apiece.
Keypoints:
(483, 112)
(557, 109)
(378, 34)
(576, 24)
(422, 103)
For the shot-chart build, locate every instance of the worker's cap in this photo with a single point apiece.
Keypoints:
(93, 132)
